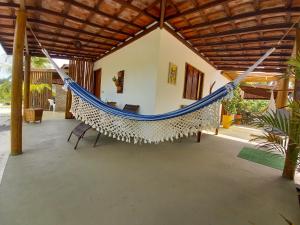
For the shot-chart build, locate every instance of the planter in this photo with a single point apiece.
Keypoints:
(238, 119)
(33, 115)
(227, 121)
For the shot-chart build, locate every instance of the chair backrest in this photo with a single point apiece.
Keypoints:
(51, 101)
(114, 104)
(131, 108)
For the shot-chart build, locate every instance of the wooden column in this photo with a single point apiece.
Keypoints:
(68, 114)
(282, 95)
(292, 153)
(16, 89)
(27, 81)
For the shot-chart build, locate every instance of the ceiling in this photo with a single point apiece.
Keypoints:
(229, 34)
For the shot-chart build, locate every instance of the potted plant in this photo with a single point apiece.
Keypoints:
(118, 84)
(230, 108)
(35, 114)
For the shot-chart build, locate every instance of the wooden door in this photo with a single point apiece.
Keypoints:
(97, 83)
(193, 83)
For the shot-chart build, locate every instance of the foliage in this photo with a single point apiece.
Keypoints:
(5, 91)
(234, 104)
(254, 106)
(40, 63)
(278, 128)
(39, 87)
(294, 64)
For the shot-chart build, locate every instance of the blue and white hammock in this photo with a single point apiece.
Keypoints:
(127, 126)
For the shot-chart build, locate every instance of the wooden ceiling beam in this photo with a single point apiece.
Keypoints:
(3, 36)
(47, 23)
(53, 13)
(247, 30)
(244, 16)
(256, 70)
(251, 61)
(282, 47)
(249, 64)
(245, 41)
(32, 42)
(248, 55)
(98, 12)
(130, 6)
(197, 9)
(36, 31)
(60, 52)
(163, 4)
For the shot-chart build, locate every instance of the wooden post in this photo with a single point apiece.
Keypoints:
(282, 95)
(292, 153)
(16, 89)
(27, 81)
(68, 114)
(163, 4)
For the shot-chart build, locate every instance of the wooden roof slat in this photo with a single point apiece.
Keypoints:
(244, 41)
(240, 17)
(96, 11)
(47, 23)
(243, 31)
(197, 9)
(225, 33)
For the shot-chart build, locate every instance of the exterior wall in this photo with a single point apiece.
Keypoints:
(146, 65)
(139, 61)
(170, 97)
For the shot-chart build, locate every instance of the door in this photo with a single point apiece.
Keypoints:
(97, 83)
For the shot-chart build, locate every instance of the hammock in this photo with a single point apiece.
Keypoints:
(127, 126)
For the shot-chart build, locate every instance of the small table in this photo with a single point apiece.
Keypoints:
(33, 114)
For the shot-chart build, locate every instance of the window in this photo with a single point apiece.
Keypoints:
(193, 83)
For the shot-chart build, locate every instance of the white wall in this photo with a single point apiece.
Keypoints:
(139, 60)
(146, 65)
(170, 97)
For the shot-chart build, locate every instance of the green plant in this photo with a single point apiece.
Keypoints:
(233, 105)
(5, 91)
(40, 63)
(38, 88)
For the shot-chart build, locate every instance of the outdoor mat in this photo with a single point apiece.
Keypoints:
(262, 157)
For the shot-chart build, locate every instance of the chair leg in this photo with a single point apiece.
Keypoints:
(98, 136)
(77, 142)
(70, 136)
(199, 136)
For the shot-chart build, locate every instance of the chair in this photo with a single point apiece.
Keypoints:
(79, 131)
(51, 104)
(131, 108)
(128, 108)
(82, 128)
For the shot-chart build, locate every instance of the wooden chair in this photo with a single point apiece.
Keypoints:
(128, 108)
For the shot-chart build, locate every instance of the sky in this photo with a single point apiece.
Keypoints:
(5, 62)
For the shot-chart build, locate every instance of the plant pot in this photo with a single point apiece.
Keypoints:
(238, 119)
(33, 114)
(227, 121)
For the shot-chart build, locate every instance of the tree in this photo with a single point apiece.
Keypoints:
(40, 63)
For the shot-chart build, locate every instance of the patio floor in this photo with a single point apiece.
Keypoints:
(125, 184)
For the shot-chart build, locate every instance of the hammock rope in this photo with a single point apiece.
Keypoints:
(127, 126)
